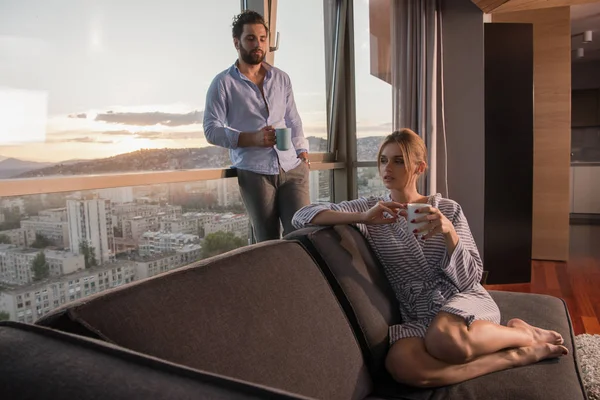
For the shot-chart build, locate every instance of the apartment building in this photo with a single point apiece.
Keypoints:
(16, 263)
(27, 303)
(160, 242)
(236, 223)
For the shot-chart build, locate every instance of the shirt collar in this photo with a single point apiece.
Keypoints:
(268, 67)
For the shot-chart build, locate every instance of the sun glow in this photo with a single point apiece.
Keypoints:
(129, 144)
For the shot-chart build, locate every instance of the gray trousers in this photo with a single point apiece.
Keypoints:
(271, 198)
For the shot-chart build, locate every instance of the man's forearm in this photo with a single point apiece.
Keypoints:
(246, 139)
(219, 136)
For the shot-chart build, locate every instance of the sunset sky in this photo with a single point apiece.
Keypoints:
(90, 79)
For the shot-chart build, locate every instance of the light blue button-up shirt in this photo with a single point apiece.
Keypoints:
(235, 104)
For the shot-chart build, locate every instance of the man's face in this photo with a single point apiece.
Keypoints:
(252, 46)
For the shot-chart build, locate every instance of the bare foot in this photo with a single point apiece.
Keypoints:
(538, 352)
(539, 335)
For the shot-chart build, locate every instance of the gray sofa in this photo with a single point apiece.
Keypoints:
(304, 317)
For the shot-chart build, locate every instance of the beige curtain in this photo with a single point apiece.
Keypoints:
(416, 35)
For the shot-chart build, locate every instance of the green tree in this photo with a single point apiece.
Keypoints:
(89, 254)
(220, 242)
(4, 239)
(41, 242)
(40, 267)
(4, 316)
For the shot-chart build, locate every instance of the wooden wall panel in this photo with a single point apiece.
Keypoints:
(525, 5)
(552, 128)
(488, 5)
(497, 6)
(380, 12)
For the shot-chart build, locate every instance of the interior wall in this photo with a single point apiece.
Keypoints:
(585, 75)
(552, 128)
(463, 65)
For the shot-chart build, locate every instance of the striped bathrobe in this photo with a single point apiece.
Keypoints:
(425, 279)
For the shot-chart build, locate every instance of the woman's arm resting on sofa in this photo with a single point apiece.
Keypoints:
(348, 212)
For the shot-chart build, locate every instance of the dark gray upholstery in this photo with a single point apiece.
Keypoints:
(263, 314)
(351, 267)
(39, 363)
(308, 316)
(349, 264)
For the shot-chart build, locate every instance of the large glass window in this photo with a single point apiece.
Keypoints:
(75, 244)
(369, 182)
(302, 55)
(320, 186)
(372, 74)
(88, 81)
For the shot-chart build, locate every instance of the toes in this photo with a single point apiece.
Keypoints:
(558, 339)
(560, 350)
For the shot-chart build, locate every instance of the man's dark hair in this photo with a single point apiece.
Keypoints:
(246, 17)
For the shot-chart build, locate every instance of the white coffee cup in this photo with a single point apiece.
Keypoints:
(412, 215)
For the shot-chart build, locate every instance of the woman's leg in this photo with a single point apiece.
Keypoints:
(409, 362)
(449, 339)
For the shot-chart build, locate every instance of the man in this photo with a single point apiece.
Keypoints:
(244, 105)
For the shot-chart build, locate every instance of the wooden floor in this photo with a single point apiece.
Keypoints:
(576, 281)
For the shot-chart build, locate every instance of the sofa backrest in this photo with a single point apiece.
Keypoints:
(41, 363)
(358, 280)
(263, 314)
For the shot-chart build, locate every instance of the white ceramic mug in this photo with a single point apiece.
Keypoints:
(410, 210)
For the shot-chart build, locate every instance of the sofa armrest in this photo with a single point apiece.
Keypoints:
(41, 363)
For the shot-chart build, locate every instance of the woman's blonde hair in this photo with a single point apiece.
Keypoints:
(411, 145)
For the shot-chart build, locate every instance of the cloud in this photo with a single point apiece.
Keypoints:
(87, 139)
(150, 135)
(151, 118)
(83, 139)
(81, 116)
(118, 133)
(170, 135)
(155, 135)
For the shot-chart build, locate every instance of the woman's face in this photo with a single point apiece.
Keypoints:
(392, 169)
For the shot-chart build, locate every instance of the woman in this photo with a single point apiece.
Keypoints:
(451, 328)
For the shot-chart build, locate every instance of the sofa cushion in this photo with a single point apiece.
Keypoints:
(346, 259)
(555, 379)
(40, 363)
(264, 314)
(357, 277)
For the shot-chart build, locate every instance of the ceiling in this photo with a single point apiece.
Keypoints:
(500, 6)
(585, 17)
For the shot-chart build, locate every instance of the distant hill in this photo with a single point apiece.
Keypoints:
(140, 160)
(368, 147)
(317, 145)
(74, 161)
(10, 167)
(165, 159)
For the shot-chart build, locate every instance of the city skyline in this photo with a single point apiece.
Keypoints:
(95, 81)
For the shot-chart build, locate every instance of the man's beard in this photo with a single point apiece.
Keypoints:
(252, 57)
